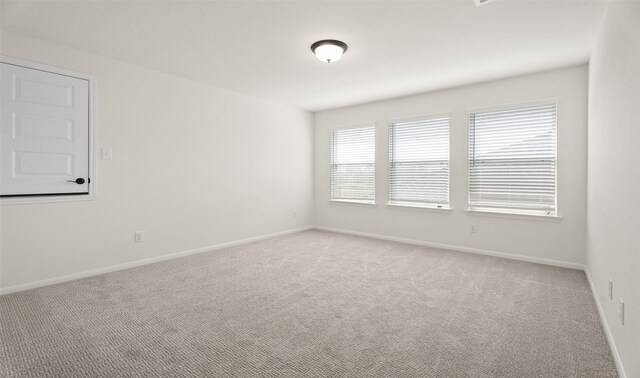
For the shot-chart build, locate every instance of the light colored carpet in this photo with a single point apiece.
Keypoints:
(311, 304)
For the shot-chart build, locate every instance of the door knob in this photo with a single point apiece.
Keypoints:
(78, 181)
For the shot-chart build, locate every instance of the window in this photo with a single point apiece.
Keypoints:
(512, 160)
(353, 165)
(419, 162)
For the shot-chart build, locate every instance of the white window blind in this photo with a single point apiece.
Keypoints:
(419, 162)
(353, 164)
(512, 159)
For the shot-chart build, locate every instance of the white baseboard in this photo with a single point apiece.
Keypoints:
(132, 264)
(605, 325)
(538, 260)
(564, 264)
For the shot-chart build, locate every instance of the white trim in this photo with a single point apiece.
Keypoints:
(133, 264)
(605, 326)
(353, 202)
(419, 206)
(44, 67)
(171, 256)
(354, 126)
(508, 215)
(93, 171)
(537, 260)
(425, 117)
(7, 201)
(514, 105)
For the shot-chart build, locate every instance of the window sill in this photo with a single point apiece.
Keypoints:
(353, 202)
(411, 206)
(512, 215)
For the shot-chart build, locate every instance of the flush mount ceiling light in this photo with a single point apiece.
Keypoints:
(329, 50)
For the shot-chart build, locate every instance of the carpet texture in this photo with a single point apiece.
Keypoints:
(311, 304)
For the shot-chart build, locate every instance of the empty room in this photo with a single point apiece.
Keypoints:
(320, 188)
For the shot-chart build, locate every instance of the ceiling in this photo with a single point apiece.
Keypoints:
(261, 48)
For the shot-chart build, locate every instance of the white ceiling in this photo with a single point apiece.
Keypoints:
(261, 48)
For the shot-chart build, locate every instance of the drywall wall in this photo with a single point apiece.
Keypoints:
(193, 166)
(613, 243)
(562, 241)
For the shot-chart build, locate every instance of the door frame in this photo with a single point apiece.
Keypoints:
(92, 136)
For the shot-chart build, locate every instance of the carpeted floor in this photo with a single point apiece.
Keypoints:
(311, 304)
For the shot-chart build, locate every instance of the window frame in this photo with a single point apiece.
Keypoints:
(525, 214)
(375, 168)
(418, 204)
(49, 198)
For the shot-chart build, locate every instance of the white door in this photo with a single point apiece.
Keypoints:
(44, 146)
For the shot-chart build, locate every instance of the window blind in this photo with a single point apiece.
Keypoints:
(419, 162)
(353, 164)
(512, 159)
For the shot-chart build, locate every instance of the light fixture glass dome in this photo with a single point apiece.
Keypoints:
(329, 50)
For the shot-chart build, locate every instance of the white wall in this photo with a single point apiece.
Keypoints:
(613, 244)
(562, 241)
(193, 166)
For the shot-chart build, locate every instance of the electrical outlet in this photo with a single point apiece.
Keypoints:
(295, 214)
(139, 236)
(473, 229)
(610, 289)
(621, 311)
